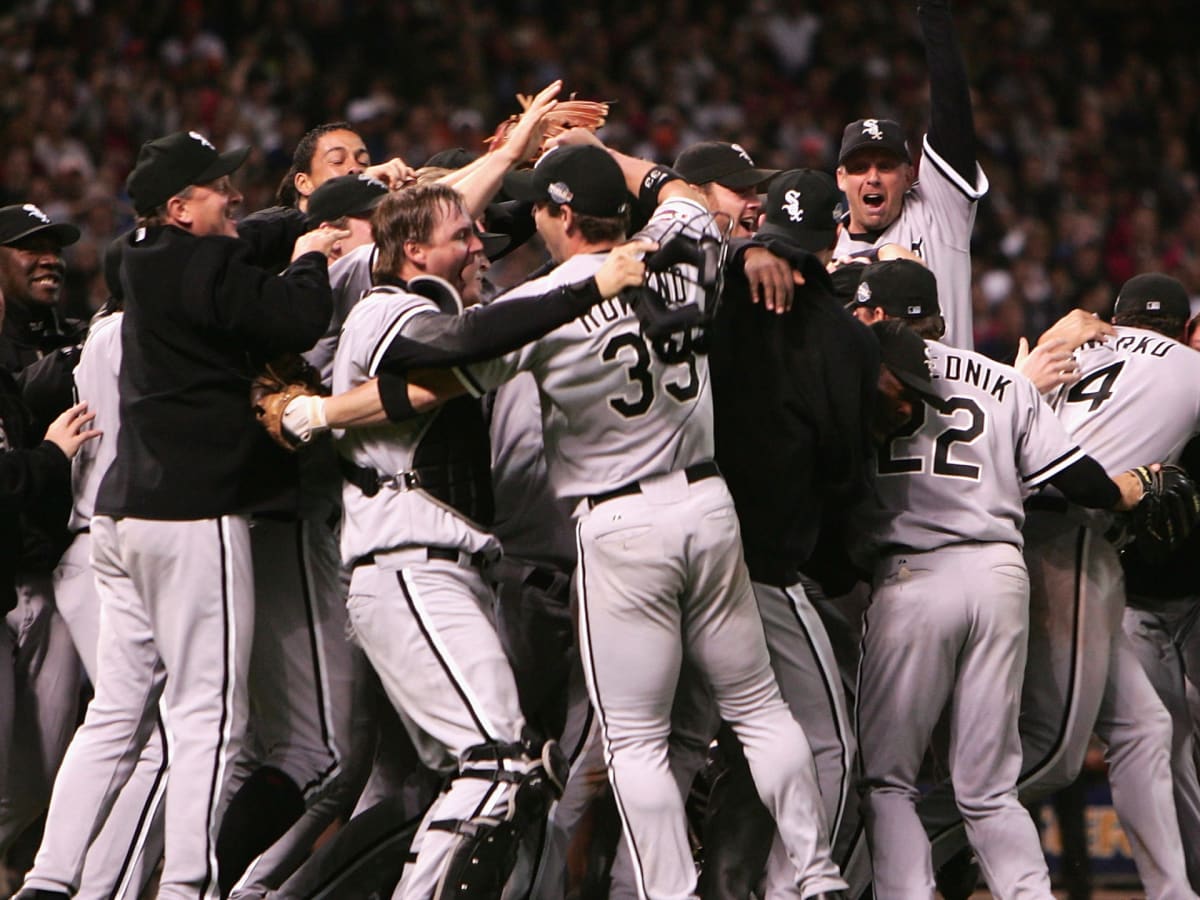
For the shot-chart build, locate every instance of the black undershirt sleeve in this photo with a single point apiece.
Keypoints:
(1086, 483)
(439, 340)
(951, 122)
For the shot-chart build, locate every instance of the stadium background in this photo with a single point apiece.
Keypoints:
(1088, 115)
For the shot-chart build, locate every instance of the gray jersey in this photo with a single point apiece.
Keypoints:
(936, 223)
(392, 518)
(1137, 400)
(349, 279)
(612, 410)
(962, 474)
(533, 525)
(96, 382)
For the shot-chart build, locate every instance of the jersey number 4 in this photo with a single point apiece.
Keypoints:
(1097, 387)
(638, 372)
(890, 464)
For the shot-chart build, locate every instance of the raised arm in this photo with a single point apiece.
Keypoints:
(951, 121)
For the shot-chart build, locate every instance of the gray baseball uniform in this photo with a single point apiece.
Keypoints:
(1082, 675)
(660, 573)
(948, 620)
(122, 858)
(419, 605)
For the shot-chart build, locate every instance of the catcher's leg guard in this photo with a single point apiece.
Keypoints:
(493, 854)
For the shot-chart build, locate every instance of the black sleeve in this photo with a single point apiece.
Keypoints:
(48, 386)
(271, 234)
(439, 340)
(1086, 483)
(951, 122)
(29, 476)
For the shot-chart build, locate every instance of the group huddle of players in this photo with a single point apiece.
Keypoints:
(721, 487)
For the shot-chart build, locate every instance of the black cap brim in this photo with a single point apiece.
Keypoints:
(526, 185)
(227, 163)
(494, 243)
(64, 233)
(748, 178)
(922, 386)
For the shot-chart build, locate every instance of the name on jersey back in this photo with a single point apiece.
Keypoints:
(973, 372)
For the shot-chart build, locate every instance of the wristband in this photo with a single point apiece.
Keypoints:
(652, 183)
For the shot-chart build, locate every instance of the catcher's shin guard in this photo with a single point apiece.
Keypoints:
(493, 854)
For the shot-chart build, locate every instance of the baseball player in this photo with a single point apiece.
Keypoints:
(124, 854)
(416, 539)
(934, 216)
(628, 438)
(949, 608)
(40, 348)
(170, 534)
(327, 151)
(1082, 674)
(773, 374)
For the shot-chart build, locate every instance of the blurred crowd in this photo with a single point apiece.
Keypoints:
(1088, 115)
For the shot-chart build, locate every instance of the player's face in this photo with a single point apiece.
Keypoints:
(210, 208)
(553, 231)
(742, 207)
(473, 283)
(451, 246)
(874, 182)
(893, 406)
(32, 270)
(337, 153)
(360, 233)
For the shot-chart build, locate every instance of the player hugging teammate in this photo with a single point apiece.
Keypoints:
(718, 502)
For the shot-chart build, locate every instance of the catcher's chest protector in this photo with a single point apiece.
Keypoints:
(453, 460)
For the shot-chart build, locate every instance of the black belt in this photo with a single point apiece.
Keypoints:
(478, 559)
(693, 473)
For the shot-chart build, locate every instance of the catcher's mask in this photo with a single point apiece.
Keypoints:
(684, 281)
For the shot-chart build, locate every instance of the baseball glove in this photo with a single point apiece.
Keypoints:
(279, 383)
(572, 113)
(1167, 513)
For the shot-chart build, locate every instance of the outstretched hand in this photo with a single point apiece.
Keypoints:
(623, 267)
(69, 432)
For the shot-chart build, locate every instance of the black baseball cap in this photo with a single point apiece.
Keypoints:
(884, 134)
(25, 220)
(1153, 292)
(345, 195)
(453, 158)
(904, 352)
(583, 177)
(729, 165)
(167, 165)
(902, 288)
(800, 209)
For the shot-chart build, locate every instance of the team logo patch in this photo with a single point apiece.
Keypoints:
(560, 193)
(871, 129)
(35, 212)
(791, 206)
(197, 136)
(1153, 306)
(914, 310)
(371, 180)
(741, 151)
(863, 294)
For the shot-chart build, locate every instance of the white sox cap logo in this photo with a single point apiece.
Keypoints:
(372, 181)
(741, 151)
(871, 128)
(791, 206)
(35, 212)
(197, 136)
(863, 294)
(560, 193)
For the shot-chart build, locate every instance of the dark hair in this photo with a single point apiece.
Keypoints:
(302, 160)
(929, 327)
(1171, 326)
(596, 229)
(408, 215)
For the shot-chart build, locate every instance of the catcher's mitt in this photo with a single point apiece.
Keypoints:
(279, 383)
(572, 113)
(1167, 513)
